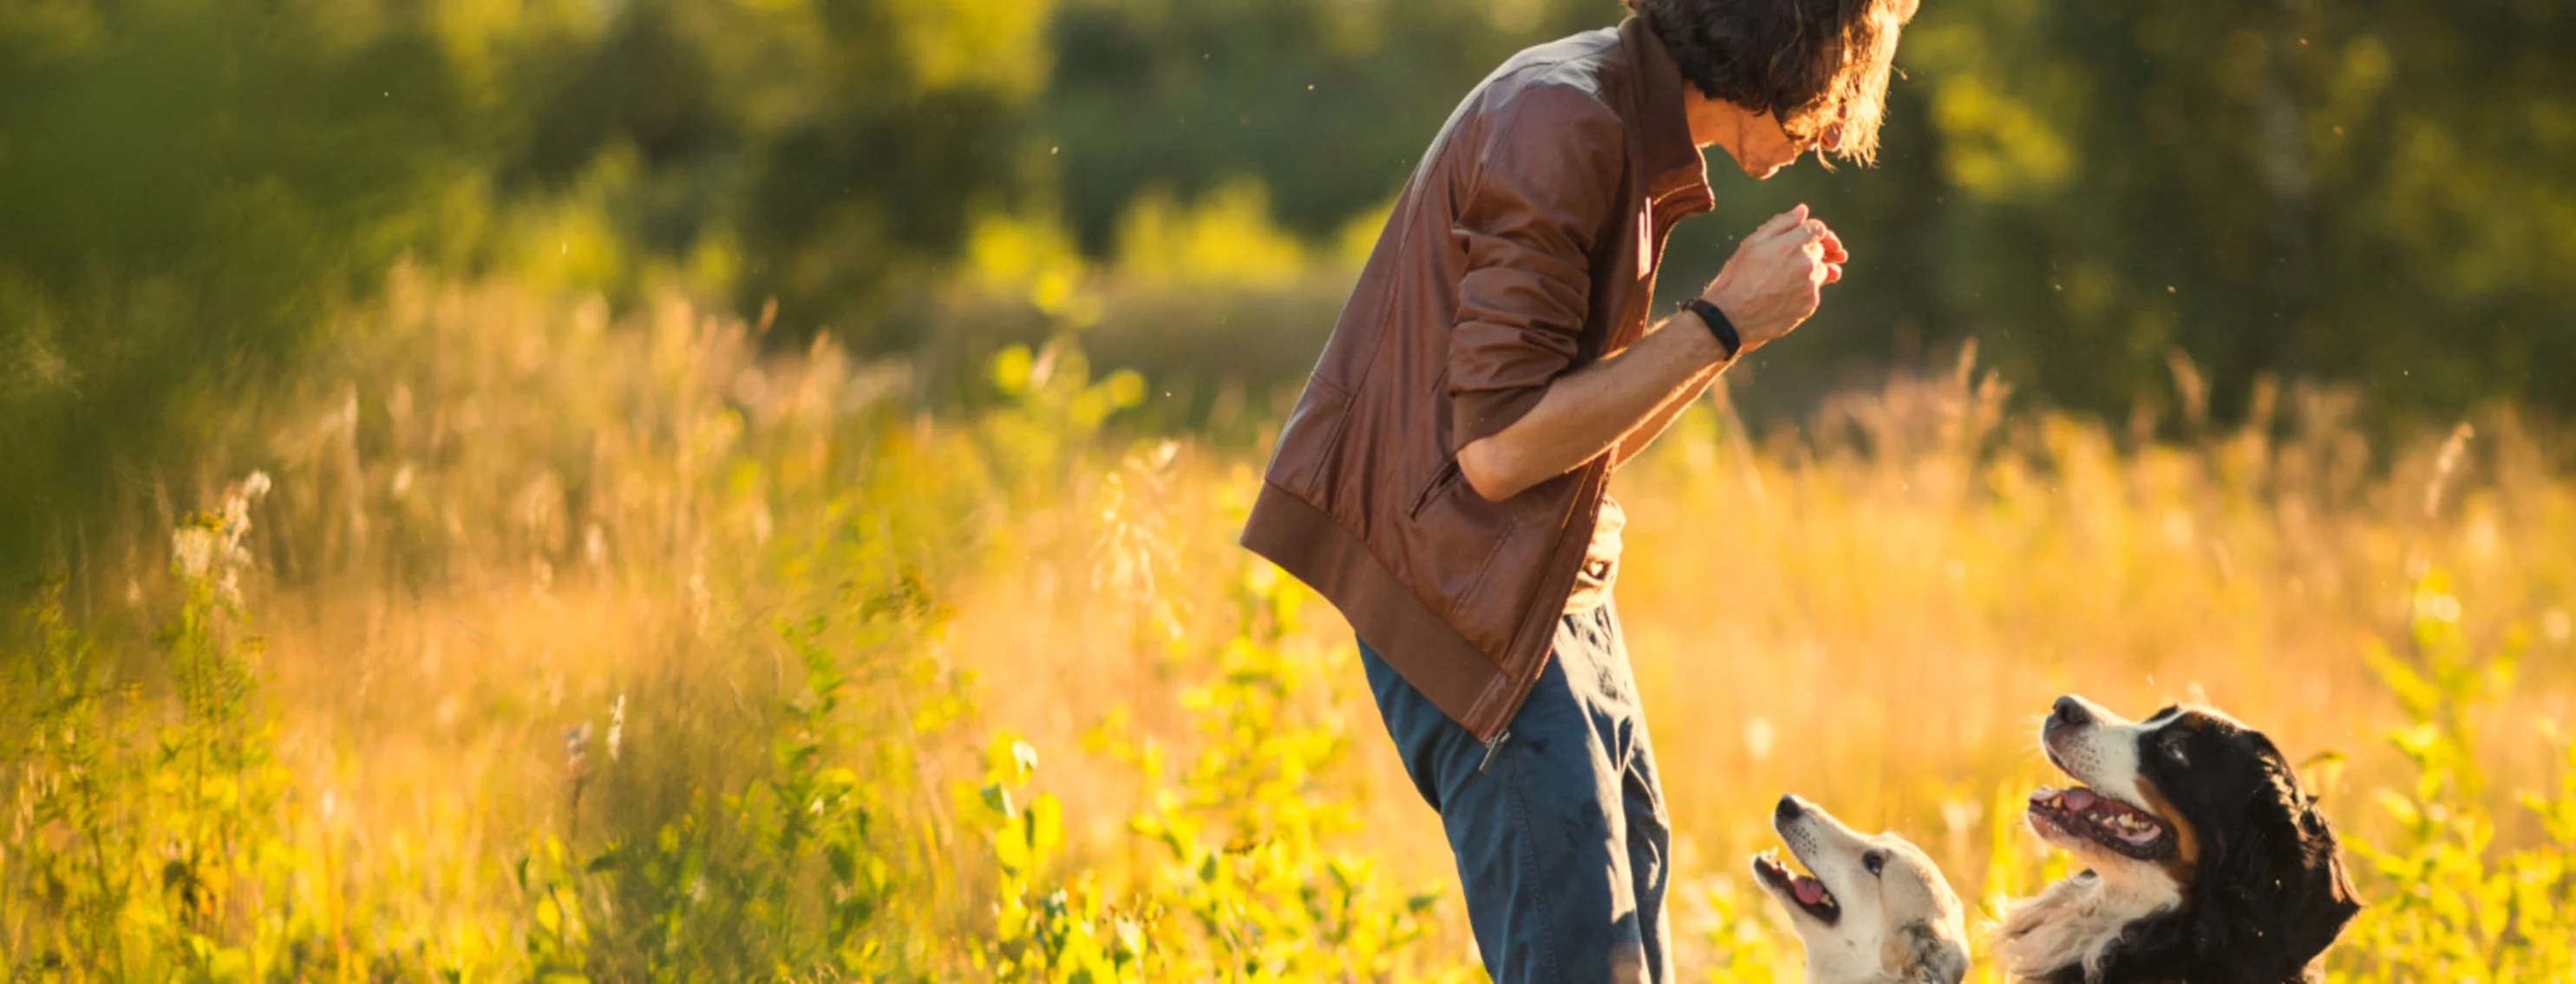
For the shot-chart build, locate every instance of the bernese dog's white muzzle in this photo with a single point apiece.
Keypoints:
(2116, 810)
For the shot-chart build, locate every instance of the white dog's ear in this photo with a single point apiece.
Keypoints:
(1919, 955)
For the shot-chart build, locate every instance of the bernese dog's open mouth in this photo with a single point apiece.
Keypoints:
(2084, 814)
(1805, 891)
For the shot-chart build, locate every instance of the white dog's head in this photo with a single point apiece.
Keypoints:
(1876, 908)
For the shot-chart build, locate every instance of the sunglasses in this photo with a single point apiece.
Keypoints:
(1806, 133)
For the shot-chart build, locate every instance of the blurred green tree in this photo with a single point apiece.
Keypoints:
(2375, 192)
(836, 146)
(184, 189)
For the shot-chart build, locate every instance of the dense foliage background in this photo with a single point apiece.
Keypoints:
(2373, 192)
(747, 489)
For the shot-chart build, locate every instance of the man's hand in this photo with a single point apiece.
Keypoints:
(1777, 276)
(1770, 286)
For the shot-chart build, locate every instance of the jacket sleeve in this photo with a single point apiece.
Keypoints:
(1552, 162)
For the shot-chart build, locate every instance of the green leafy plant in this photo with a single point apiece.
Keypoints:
(1250, 885)
(1044, 932)
(72, 832)
(2446, 902)
(158, 845)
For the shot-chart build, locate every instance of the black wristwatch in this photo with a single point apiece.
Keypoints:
(1717, 325)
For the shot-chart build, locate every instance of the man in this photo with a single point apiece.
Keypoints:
(1442, 479)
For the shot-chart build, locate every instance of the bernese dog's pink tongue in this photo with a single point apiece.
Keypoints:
(2079, 799)
(1810, 891)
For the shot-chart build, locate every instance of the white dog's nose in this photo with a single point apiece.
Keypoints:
(1790, 808)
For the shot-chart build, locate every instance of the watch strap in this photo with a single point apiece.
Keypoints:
(1717, 325)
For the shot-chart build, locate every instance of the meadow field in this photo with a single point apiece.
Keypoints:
(525, 640)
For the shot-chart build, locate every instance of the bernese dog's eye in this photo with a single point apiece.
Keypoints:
(2175, 747)
(1875, 862)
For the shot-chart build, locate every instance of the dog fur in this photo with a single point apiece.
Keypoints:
(1894, 919)
(2208, 862)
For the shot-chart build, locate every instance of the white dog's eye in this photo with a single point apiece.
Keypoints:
(1873, 861)
(2173, 749)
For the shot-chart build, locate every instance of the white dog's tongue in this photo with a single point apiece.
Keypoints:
(2079, 799)
(1810, 891)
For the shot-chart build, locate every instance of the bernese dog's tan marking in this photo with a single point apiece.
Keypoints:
(2207, 862)
(2182, 866)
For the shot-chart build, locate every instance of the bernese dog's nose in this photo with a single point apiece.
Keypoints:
(1788, 809)
(2070, 712)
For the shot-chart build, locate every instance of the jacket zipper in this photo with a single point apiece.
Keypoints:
(1520, 696)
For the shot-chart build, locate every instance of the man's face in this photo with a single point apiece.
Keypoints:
(1770, 145)
(1760, 144)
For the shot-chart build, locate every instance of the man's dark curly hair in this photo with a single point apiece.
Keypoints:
(1820, 64)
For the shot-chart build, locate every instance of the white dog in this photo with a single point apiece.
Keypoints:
(1876, 909)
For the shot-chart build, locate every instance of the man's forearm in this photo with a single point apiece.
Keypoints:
(1662, 419)
(1592, 410)
(1767, 288)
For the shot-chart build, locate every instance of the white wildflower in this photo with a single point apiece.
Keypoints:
(210, 548)
(193, 547)
(616, 726)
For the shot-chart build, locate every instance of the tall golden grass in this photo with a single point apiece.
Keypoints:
(610, 646)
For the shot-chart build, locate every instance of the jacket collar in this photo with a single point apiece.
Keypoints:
(1672, 162)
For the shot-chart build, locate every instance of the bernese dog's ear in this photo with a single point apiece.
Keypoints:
(2329, 900)
(2276, 893)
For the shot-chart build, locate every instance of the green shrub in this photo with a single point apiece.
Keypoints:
(148, 844)
(1252, 884)
(2445, 902)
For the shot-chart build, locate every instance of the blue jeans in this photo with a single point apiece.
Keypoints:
(1562, 841)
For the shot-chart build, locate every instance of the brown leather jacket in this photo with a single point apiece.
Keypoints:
(1524, 247)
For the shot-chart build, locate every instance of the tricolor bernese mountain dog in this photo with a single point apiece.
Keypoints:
(2208, 862)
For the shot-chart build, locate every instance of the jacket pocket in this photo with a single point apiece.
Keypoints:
(1447, 474)
(1452, 536)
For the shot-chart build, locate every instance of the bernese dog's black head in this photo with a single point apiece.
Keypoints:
(2208, 861)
